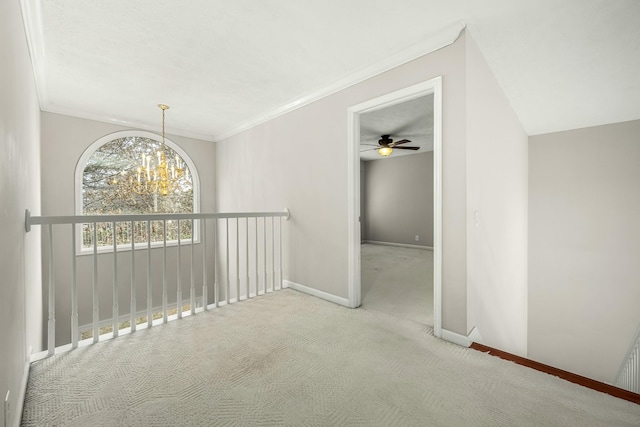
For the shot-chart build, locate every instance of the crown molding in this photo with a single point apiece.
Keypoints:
(133, 124)
(435, 41)
(32, 20)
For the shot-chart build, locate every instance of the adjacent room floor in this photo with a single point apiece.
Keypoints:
(289, 359)
(398, 281)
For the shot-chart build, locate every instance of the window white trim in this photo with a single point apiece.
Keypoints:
(91, 149)
(80, 251)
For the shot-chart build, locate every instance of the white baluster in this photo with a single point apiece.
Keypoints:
(164, 272)
(74, 290)
(205, 296)
(280, 248)
(636, 370)
(273, 255)
(132, 308)
(51, 332)
(115, 313)
(264, 229)
(228, 278)
(179, 275)
(216, 284)
(149, 289)
(96, 306)
(246, 245)
(237, 259)
(257, 258)
(192, 293)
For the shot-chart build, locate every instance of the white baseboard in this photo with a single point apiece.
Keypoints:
(474, 336)
(17, 413)
(316, 293)
(455, 338)
(402, 245)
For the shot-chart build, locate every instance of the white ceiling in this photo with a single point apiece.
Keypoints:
(222, 65)
(412, 120)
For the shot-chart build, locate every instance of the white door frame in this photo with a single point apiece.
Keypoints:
(433, 86)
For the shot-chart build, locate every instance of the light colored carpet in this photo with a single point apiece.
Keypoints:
(398, 281)
(289, 359)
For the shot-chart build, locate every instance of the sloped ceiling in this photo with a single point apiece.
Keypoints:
(224, 65)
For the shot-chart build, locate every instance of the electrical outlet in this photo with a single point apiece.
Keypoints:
(417, 238)
(7, 410)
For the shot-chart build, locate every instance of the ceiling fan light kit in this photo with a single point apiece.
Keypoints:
(387, 145)
(385, 151)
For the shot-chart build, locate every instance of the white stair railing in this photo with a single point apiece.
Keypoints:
(629, 373)
(267, 226)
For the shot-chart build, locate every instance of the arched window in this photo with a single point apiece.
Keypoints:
(122, 173)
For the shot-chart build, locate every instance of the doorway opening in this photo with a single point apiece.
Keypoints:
(365, 119)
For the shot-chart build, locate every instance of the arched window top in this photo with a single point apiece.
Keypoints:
(107, 173)
(117, 175)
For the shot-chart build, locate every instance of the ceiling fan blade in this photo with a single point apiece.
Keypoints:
(393, 144)
(406, 148)
(369, 149)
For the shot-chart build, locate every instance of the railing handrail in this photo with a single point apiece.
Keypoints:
(81, 219)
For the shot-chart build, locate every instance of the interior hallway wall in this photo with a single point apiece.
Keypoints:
(398, 199)
(20, 299)
(584, 234)
(299, 160)
(64, 139)
(497, 211)
(363, 200)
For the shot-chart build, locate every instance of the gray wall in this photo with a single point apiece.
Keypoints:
(64, 139)
(397, 198)
(299, 160)
(496, 212)
(584, 247)
(20, 297)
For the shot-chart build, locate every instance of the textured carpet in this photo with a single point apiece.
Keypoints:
(291, 359)
(398, 281)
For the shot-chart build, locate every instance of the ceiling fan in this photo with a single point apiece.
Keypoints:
(387, 145)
